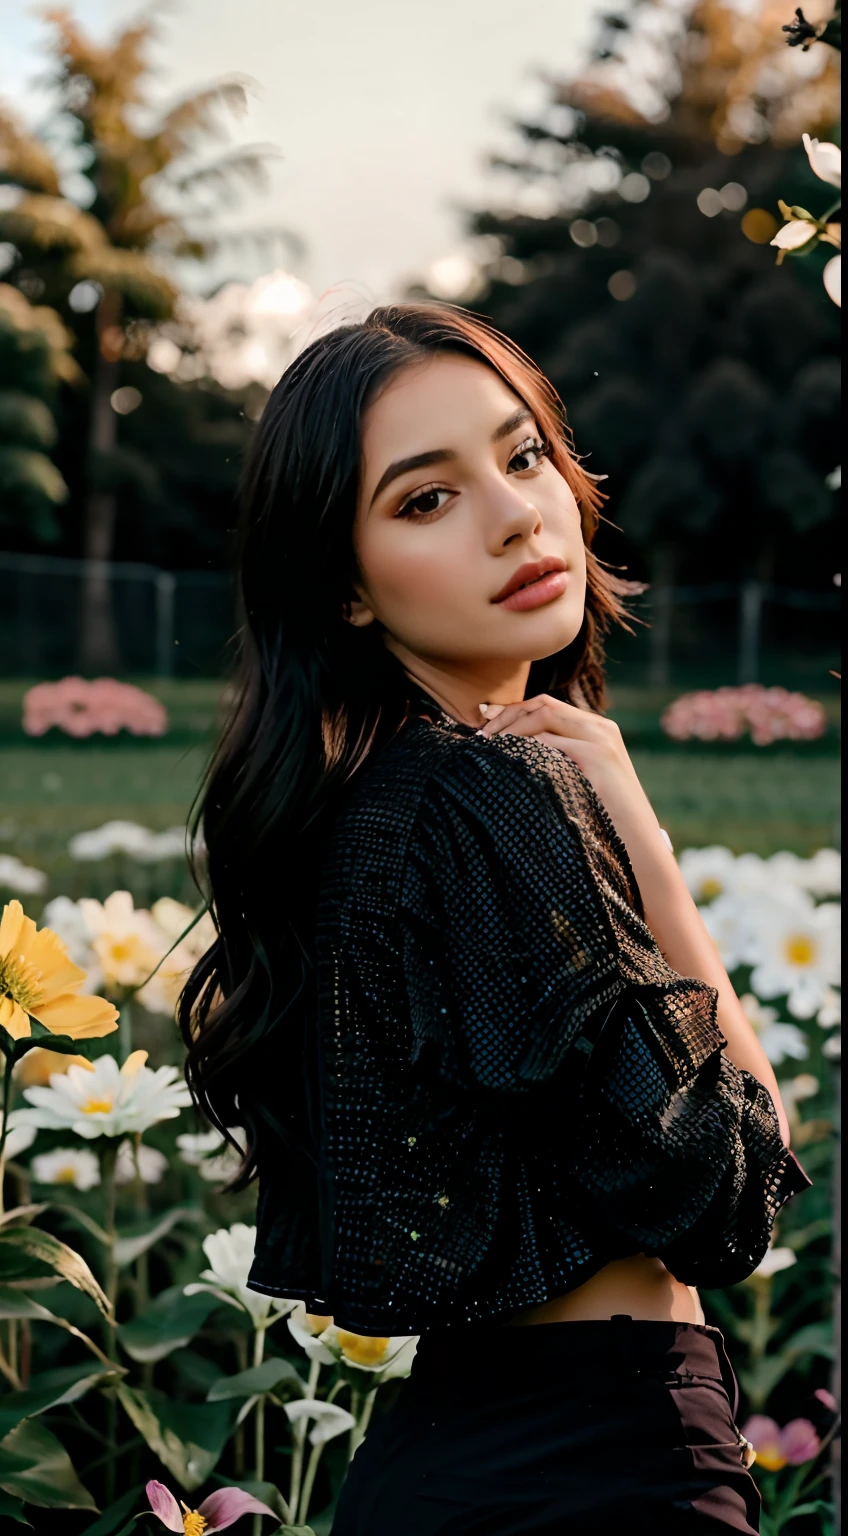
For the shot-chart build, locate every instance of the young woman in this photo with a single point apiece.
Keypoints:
(495, 1082)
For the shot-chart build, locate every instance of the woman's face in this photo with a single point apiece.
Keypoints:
(455, 496)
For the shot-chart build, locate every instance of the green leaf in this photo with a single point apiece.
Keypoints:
(46, 1249)
(42, 1036)
(35, 1466)
(50, 1388)
(188, 1438)
(146, 1233)
(18, 1304)
(169, 1323)
(255, 1381)
(111, 1518)
(13, 1509)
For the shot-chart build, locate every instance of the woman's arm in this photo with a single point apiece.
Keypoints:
(596, 745)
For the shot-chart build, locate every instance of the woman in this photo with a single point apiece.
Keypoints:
(495, 1082)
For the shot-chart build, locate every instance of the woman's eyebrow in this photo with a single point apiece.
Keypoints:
(444, 455)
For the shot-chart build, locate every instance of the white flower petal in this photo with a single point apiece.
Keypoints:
(328, 1419)
(832, 277)
(825, 160)
(795, 233)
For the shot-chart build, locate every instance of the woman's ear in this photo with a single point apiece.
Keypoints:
(357, 612)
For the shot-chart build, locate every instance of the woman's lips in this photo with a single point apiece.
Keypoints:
(538, 592)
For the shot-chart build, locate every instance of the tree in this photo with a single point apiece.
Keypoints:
(116, 255)
(633, 265)
(34, 356)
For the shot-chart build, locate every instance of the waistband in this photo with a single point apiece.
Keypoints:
(515, 1353)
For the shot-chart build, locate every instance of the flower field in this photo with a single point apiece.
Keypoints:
(137, 1369)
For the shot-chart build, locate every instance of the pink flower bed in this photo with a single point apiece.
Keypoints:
(103, 706)
(725, 714)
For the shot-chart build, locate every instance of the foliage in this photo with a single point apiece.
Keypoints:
(33, 357)
(626, 257)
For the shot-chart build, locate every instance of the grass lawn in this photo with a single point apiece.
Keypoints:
(748, 798)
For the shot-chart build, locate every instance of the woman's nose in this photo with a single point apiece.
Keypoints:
(511, 513)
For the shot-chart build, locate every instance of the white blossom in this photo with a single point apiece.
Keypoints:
(230, 1253)
(779, 1041)
(76, 1166)
(797, 950)
(104, 1099)
(21, 878)
(132, 1162)
(825, 160)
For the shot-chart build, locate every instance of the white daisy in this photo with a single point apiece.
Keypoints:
(797, 951)
(76, 1166)
(106, 1100)
(113, 837)
(21, 878)
(132, 1161)
(213, 1157)
(728, 922)
(822, 874)
(708, 872)
(779, 1041)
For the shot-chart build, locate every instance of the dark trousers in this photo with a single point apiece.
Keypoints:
(558, 1429)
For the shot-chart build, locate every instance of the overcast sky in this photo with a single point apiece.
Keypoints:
(383, 110)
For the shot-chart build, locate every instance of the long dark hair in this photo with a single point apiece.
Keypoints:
(313, 695)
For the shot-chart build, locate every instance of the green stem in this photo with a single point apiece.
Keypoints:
(358, 1433)
(125, 1029)
(259, 1426)
(108, 1159)
(832, 210)
(4, 1129)
(309, 1482)
(299, 1440)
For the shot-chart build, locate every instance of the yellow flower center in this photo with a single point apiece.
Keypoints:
(20, 981)
(194, 1524)
(799, 949)
(711, 887)
(771, 1457)
(316, 1324)
(360, 1350)
(66, 1175)
(97, 1106)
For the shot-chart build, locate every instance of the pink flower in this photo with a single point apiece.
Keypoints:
(81, 708)
(791, 1446)
(724, 714)
(221, 1509)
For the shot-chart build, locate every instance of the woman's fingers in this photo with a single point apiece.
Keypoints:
(533, 717)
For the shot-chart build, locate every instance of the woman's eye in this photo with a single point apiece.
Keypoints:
(424, 502)
(528, 456)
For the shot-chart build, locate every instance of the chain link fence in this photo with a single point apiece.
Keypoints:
(180, 624)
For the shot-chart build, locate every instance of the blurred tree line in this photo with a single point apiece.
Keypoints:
(157, 486)
(629, 256)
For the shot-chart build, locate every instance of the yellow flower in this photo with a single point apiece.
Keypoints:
(35, 1069)
(38, 977)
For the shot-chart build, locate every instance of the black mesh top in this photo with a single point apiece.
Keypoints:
(517, 1087)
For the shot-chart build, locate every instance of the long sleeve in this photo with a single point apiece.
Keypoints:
(537, 995)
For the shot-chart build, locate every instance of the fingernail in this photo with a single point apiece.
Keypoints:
(483, 708)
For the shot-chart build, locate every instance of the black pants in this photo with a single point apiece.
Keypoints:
(559, 1429)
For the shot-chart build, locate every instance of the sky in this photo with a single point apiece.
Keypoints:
(384, 111)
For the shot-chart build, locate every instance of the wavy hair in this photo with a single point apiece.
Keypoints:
(312, 697)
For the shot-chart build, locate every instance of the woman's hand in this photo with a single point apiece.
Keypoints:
(597, 747)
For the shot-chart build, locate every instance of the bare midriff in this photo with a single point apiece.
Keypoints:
(638, 1286)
